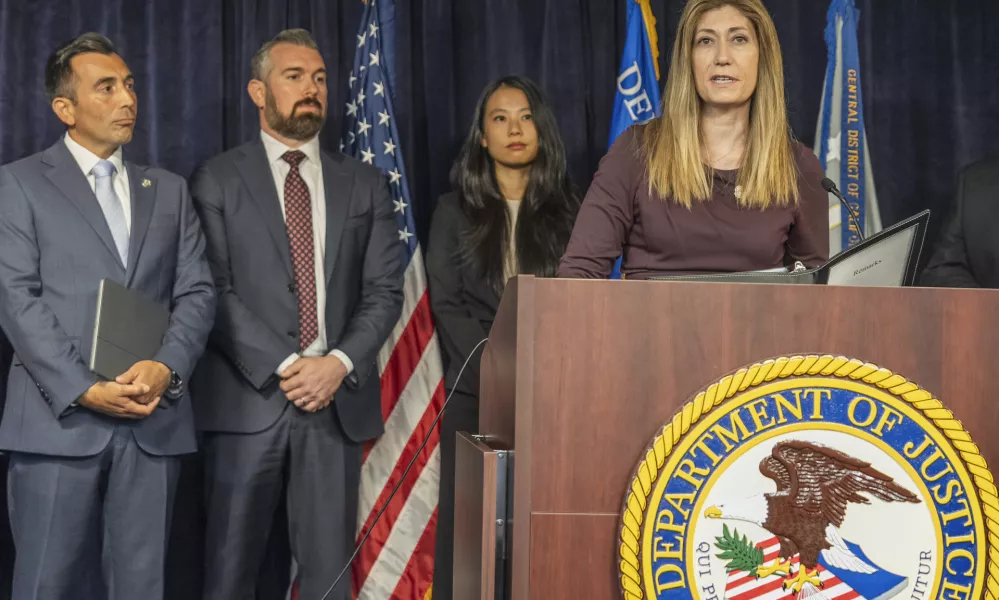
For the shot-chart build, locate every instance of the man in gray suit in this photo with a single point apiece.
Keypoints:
(308, 270)
(93, 464)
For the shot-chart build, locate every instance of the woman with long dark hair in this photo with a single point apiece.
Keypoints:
(511, 212)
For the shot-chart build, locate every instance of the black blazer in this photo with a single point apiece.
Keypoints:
(967, 255)
(463, 303)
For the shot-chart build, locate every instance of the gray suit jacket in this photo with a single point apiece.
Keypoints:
(235, 387)
(55, 247)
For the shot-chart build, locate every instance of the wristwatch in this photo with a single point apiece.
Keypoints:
(176, 388)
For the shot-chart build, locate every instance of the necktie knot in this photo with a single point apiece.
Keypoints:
(104, 168)
(293, 157)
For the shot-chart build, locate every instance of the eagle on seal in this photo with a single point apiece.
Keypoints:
(815, 485)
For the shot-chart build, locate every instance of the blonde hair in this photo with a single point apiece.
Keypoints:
(672, 144)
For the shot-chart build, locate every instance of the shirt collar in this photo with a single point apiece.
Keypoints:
(275, 148)
(87, 159)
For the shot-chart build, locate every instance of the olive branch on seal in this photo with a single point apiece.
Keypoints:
(740, 553)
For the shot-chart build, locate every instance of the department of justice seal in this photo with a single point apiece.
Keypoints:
(817, 478)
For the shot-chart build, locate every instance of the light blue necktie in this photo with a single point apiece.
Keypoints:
(114, 212)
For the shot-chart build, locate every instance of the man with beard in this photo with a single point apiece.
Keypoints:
(308, 270)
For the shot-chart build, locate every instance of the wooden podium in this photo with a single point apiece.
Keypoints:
(579, 375)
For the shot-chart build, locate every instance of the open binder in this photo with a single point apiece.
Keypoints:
(887, 259)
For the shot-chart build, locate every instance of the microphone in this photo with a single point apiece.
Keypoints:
(388, 501)
(830, 187)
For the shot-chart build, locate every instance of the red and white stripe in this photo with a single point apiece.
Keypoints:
(397, 560)
(743, 586)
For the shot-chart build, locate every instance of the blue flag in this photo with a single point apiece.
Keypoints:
(841, 140)
(637, 99)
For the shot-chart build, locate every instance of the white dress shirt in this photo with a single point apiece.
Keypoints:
(311, 170)
(119, 181)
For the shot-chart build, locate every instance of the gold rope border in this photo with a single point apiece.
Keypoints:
(783, 368)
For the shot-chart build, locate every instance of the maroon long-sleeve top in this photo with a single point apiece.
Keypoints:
(658, 236)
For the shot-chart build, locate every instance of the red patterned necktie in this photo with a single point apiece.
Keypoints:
(298, 222)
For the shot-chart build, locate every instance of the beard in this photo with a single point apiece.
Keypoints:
(301, 127)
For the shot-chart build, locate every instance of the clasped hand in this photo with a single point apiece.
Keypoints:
(134, 394)
(310, 383)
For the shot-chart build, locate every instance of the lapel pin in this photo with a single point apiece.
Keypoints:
(146, 183)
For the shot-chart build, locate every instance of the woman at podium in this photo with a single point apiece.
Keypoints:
(511, 212)
(717, 184)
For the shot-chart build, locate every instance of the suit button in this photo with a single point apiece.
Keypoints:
(291, 288)
(292, 334)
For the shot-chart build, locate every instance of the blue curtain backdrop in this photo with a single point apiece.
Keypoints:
(930, 77)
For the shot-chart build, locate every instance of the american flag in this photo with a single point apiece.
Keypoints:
(397, 560)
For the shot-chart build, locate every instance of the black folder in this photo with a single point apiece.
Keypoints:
(128, 327)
